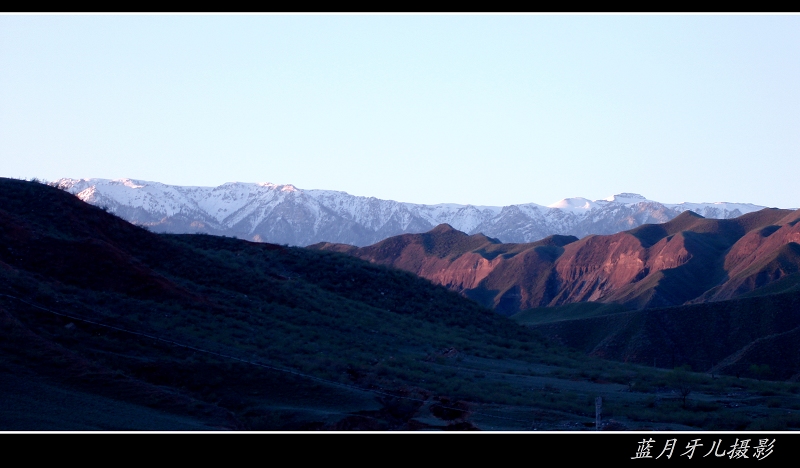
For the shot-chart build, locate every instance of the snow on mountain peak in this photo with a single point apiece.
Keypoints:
(129, 183)
(258, 211)
(574, 205)
(626, 198)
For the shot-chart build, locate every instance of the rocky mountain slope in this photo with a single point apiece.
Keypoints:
(688, 259)
(284, 214)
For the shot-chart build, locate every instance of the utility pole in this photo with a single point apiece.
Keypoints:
(598, 408)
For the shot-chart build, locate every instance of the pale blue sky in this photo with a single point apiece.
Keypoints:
(480, 109)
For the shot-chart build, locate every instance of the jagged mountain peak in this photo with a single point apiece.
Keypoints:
(286, 214)
(576, 204)
(626, 198)
(444, 228)
(688, 214)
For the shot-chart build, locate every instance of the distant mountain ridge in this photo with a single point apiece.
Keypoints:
(285, 214)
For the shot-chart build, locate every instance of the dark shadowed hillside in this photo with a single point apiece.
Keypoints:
(70, 271)
(731, 337)
(108, 326)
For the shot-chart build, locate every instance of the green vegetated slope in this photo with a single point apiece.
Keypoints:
(107, 326)
(578, 310)
(731, 337)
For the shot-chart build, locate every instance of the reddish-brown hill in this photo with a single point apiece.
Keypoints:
(688, 259)
(507, 277)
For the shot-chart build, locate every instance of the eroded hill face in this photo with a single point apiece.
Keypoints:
(689, 258)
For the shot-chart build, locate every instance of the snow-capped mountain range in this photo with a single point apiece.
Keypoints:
(285, 214)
